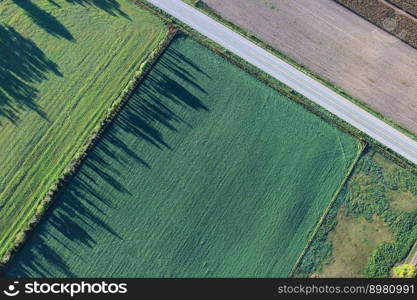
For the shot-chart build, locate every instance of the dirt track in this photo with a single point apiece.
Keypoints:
(339, 46)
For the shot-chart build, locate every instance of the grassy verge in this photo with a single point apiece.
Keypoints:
(91, 85)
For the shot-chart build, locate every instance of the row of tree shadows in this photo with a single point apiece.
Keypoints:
(52, 25)
(78, 205)
(23, 63)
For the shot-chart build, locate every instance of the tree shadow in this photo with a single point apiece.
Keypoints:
(44, 20)
(112, 7)
(22, 63)
(54, 3)
(53, 26)
(99, 185)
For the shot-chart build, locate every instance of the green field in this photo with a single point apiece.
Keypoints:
(62, 64)
(205, 172)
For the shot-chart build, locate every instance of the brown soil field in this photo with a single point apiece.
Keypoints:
(337, 45)
(386, 16)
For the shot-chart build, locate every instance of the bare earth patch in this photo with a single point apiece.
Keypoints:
(339, 46)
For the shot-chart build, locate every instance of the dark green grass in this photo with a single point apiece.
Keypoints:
(206, 172)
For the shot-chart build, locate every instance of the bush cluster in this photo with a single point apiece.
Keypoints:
(404, 271)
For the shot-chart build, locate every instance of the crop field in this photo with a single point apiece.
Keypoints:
(371, 227)
(205, 172)
(62, 64)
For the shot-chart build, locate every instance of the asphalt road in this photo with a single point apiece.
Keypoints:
(305, 85)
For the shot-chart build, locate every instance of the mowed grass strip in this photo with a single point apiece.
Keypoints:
(62, 65)
(206, 172)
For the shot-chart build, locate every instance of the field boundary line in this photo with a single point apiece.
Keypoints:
(7, 251)
(361, 149)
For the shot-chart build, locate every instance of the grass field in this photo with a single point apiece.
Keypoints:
(206, 172)
(372, 225)
(62, 65)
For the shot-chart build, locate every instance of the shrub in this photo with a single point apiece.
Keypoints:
(404, 271)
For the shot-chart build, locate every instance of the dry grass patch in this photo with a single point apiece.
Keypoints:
(403, 201)
(353, 242)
